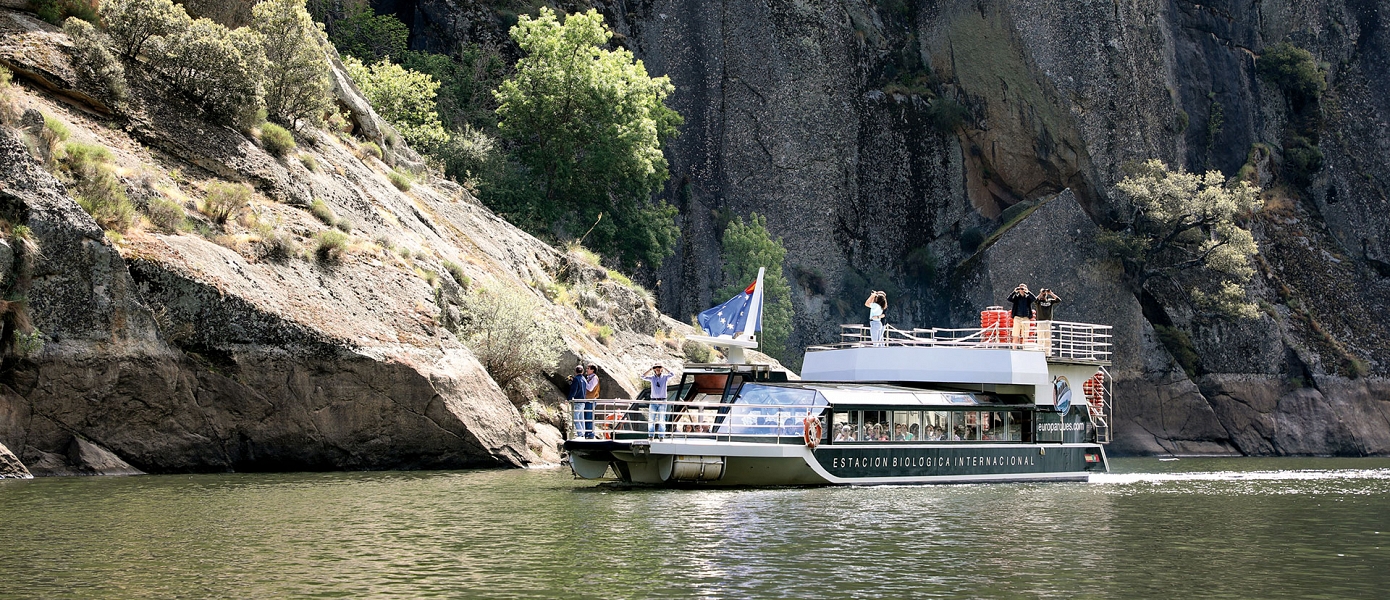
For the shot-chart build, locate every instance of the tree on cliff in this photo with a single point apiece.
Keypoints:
(748, 246)
(587, 124)
(1182, 221)
(296, 78)
(403, 97)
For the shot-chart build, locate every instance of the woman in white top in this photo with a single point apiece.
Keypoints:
(877, 303)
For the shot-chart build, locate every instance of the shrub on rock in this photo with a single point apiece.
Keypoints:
(277, 140)
(400, 180)
(225, 199)
(87, 168)
(165, 214)
(330, 245)
(502, 328)
(97, 67)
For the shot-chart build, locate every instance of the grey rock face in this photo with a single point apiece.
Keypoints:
(10, 467)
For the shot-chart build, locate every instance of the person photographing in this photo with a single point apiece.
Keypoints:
(1022, 300)
(1047, 301)
(658, 377)
(877, 303)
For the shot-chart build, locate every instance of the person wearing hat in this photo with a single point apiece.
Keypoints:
(1022, 300)
(658, 377)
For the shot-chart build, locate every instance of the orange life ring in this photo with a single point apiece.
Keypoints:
(610, 423)
(811, 431)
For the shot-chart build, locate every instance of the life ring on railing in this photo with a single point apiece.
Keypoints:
(811, 431)
(610, 423)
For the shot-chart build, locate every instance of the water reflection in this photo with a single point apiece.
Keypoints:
(1233, 528)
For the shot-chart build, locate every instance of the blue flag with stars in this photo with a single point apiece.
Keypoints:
(728, 318)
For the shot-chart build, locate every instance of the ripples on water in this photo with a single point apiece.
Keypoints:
(1245, 528)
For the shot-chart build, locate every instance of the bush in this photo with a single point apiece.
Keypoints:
(165, 214)
(57, 11)
(132, 23)
(469, 154)
(1294, 70)
(344, 225)
(602, 333)
(371, 148)
(278, 247)
(95, 187)
(331, 244)
(296, 82)
(455, 271)
(947, 115)
(405, 98)
(370, 37)
(1302, 160)
(696, 351)
(53, 135)
(309, 162)
(225, 199)
(322, 212)
(501, 327)
(277, 140)
(219, 70)
(971, 239)
(97, 67)
(10, 110)
(399, 179)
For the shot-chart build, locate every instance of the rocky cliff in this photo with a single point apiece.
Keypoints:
(211, 347)
(884, 140)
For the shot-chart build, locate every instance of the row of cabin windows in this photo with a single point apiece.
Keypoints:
(931, 425)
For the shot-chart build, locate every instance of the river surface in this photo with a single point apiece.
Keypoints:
(1237, 528)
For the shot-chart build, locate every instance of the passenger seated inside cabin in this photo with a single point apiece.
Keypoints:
(844, 433)
(913, 433)
(790, 426)
(958, 434)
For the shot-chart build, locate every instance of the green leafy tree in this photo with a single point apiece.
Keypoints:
(1182, 221)
(587, 123)
(132, 23)
(748, 246)
(367, 36)
(1294, 70)
(218, 69)
(296, 80)
(404, 98)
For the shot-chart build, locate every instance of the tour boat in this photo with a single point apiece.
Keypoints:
(918, 406)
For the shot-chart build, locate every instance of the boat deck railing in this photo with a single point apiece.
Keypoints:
(1070, 342)
(709, 420)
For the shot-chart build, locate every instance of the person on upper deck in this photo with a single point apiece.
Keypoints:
(877, 303)
(1047, 301)
(1022, 300)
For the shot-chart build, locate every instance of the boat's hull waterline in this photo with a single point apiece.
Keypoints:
(707, 463)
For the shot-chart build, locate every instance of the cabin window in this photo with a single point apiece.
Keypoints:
(846, 428)
(907, 425)
(937, 424)
(771, 410)
(876, 426)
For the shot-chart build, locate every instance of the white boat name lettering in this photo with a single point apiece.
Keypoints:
(856, 462)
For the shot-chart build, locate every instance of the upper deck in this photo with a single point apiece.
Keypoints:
(1073, 343)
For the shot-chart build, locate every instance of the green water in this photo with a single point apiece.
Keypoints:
(1248, 528)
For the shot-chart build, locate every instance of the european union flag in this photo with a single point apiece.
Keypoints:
(729, 318)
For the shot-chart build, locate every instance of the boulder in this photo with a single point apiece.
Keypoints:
(10, 467)
(88, 458)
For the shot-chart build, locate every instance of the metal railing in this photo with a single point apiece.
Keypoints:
(1079, 342)
(700, 419)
